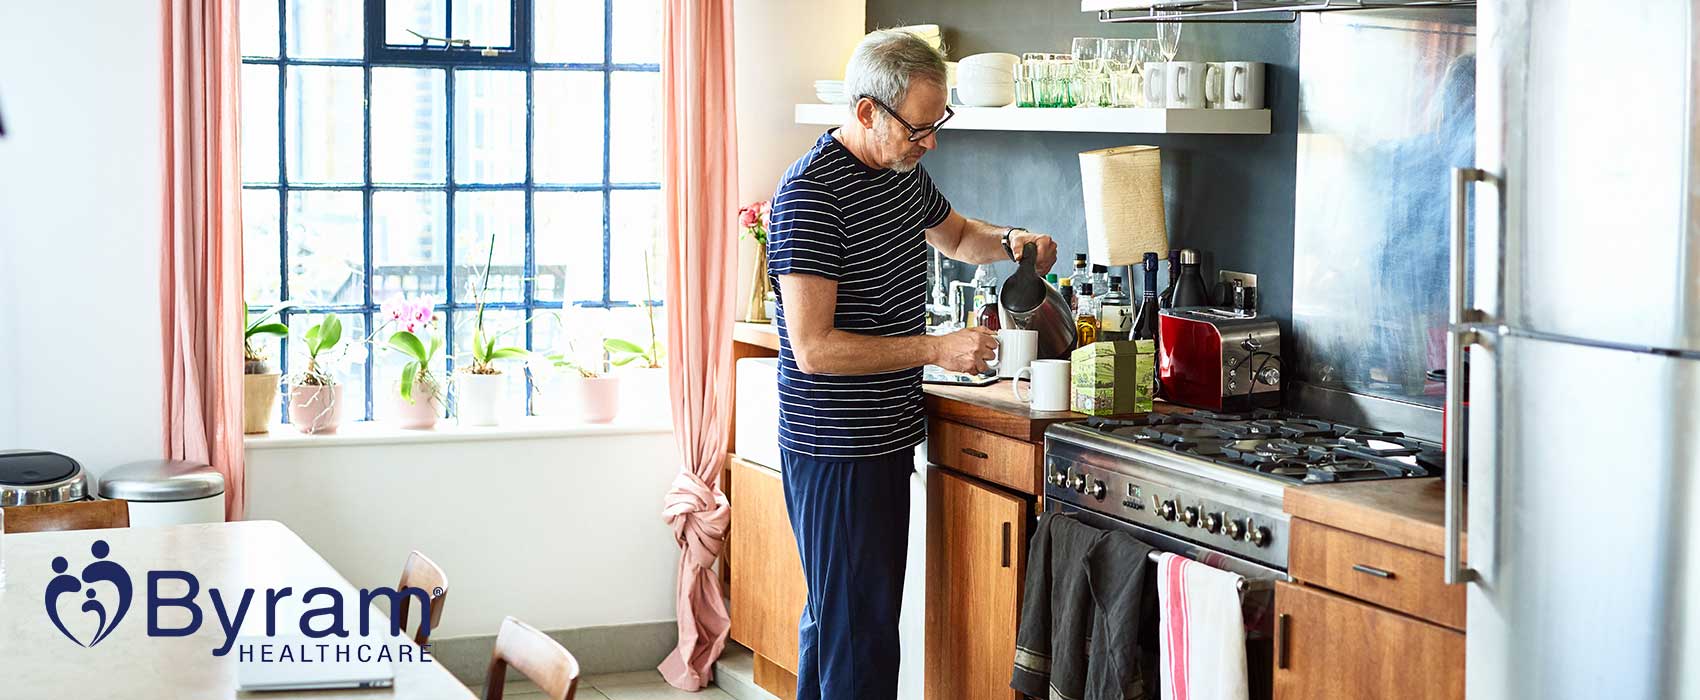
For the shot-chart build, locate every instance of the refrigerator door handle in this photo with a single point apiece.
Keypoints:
(1460, 335)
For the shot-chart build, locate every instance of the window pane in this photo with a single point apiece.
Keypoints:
(480, 219)
(632, 229)
(325, 257)
(635, 127)
(259, 28)
(260, 275)
(489, 126)
(388, 362)
(637, 31)
(484, 22)
(568, 133)
(568, 240)
(409, 245)
(265, 345)
(575, 331)
(568, 31)
(633, 324)
(326, 29)
(346, 362)
(324, 127)
(259, 123)
(428, 17)
(409, 118)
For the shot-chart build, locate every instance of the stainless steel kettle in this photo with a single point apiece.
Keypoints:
(1027, 301)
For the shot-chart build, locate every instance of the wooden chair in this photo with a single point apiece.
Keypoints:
(74, 515)
(420, 572)
(540, 659)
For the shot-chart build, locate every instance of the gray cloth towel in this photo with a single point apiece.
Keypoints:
(1056, 611)
(1123, 655)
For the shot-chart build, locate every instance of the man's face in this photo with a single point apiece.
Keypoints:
(923, 106)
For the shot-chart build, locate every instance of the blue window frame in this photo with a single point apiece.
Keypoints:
(549, 148)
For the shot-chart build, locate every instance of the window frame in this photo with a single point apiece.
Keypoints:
(518, 53)
(452, 64)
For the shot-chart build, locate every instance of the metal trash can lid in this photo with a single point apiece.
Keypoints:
(158, 480)
(30, 477)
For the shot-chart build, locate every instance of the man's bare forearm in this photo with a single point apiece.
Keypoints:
(843, 352)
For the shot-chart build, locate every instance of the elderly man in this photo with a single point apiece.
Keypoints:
(847, 248)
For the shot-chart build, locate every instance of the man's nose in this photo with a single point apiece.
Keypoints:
(930, 142)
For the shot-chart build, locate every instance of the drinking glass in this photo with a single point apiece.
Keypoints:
(1063, 71)
(1124, 86)
(1089, 76)
(1169, 36)
(1024, 88)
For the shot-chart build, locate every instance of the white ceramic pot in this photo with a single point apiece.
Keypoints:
(259, 402)
(598, 398)
(479, 398)
(423, 412)
(315, 409)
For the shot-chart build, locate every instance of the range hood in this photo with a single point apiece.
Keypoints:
(1120, 11)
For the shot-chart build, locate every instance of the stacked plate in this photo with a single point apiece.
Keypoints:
(831, 92)
(987, 79)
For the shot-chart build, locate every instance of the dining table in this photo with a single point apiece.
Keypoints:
(96, 650)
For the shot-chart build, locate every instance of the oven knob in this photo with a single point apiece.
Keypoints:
(1059, 477)
(1190, 516)
(1234, 529)
(1260, 536)
(1167, 510)
(1212, 523)
(1077, 482)
(1098, 489)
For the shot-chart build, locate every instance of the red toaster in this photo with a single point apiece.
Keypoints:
(1218, 359)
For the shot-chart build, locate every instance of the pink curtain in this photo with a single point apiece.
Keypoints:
(200, 281)
(699, 183)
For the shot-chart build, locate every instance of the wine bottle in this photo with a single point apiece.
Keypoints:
(1190, 290)
(1167, 298)
(1145, 326)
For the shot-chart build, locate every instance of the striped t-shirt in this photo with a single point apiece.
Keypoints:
(837, 218)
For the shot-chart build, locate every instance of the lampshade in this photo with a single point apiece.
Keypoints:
(1123, 192)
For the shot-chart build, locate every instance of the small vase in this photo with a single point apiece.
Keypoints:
(479, 398)
(756, 312)
(598, 398)
(314, 408)
(259, 402)
(423, 412)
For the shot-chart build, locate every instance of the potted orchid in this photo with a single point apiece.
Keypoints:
(259, 378)
(315, 397)
(481, 387)
(754, 219)
(419, 393)
(568, 383)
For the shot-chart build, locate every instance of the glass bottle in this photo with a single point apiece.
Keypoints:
(989, 311)
(1067, 289)
(1145, 326)
(1086, 318)
(1080, 275)
(1167, 298)
(1115, 313)
(1101, 279)
(1190, 290)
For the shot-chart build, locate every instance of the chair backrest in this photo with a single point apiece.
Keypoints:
(541, 660)
(420, 572)
(73, 515)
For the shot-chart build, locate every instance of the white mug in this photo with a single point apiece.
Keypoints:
(1153, 77)
(1184, 85)
(1213, 85)
(1049, 380)
(1242, 85)
(1017, 348)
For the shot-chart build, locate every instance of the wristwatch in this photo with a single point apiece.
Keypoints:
(1006, 246)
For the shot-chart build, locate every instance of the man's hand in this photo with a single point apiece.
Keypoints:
(966, 350)
(1047, 248)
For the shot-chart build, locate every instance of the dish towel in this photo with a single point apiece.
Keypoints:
(1201, 636)
(1123, 658)
(1056, 611)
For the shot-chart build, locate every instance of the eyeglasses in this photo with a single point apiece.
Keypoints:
(915, 133)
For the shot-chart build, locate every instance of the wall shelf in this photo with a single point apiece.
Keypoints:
(1129, 120)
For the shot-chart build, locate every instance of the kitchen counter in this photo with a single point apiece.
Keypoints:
(1407, 512)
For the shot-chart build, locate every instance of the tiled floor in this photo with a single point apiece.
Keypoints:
(638, 685)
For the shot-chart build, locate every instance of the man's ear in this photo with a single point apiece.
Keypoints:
(865, 112)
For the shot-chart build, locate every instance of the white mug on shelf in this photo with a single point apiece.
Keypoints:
(1049, 385)
(1184, 85)
(1153, 77)
(1242, 85)
(1017, 348)
(1213, 85)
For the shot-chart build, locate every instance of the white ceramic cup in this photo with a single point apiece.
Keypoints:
(1049, 385)
(1184, 84)
(1213, 85)
(1017, 348)
(1154, 76)
(1242, 85)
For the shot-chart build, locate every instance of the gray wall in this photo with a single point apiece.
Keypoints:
(1229, 196)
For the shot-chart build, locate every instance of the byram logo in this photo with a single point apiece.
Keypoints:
(100, 571)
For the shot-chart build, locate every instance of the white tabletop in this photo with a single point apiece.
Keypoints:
(38, 661)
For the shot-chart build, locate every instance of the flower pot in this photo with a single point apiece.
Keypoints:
(315, 408)
(259, 402)
(598, 398)
(423, 412)
(479, 398)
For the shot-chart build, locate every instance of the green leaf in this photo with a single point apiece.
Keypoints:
(332, 333)
(312, 338)
(436, 344)
(407, 372)
(277, 329)
(273, 311)
(407, 342)
(478, 351)
(506, 353)
(618, 345)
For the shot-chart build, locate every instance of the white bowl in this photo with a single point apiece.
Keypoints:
(982, 95)
(1001, 61)
(968, 73)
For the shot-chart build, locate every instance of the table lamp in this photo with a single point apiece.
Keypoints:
(1123, 192)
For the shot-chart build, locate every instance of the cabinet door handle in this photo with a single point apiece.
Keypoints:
(971, 452)
(1006, 545)
(1379, 573)
(1281, 634)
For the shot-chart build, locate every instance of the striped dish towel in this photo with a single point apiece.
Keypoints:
(1201, 635)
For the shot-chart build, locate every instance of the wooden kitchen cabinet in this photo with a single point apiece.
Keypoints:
(768, 589)
(1329, 646)
(976, 556)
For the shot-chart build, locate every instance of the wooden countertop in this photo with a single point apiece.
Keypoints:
(1406, 512)
(759, 334)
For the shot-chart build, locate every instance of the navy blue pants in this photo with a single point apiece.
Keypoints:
(851, 520)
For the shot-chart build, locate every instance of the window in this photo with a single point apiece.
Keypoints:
(376, 164)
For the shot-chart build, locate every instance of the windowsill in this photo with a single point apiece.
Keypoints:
(283, 436)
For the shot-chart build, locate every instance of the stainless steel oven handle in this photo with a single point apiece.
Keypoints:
(1460, 335)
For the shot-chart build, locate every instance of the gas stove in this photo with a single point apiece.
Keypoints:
(1209, 481)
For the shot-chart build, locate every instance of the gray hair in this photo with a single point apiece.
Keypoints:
(884, 64)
